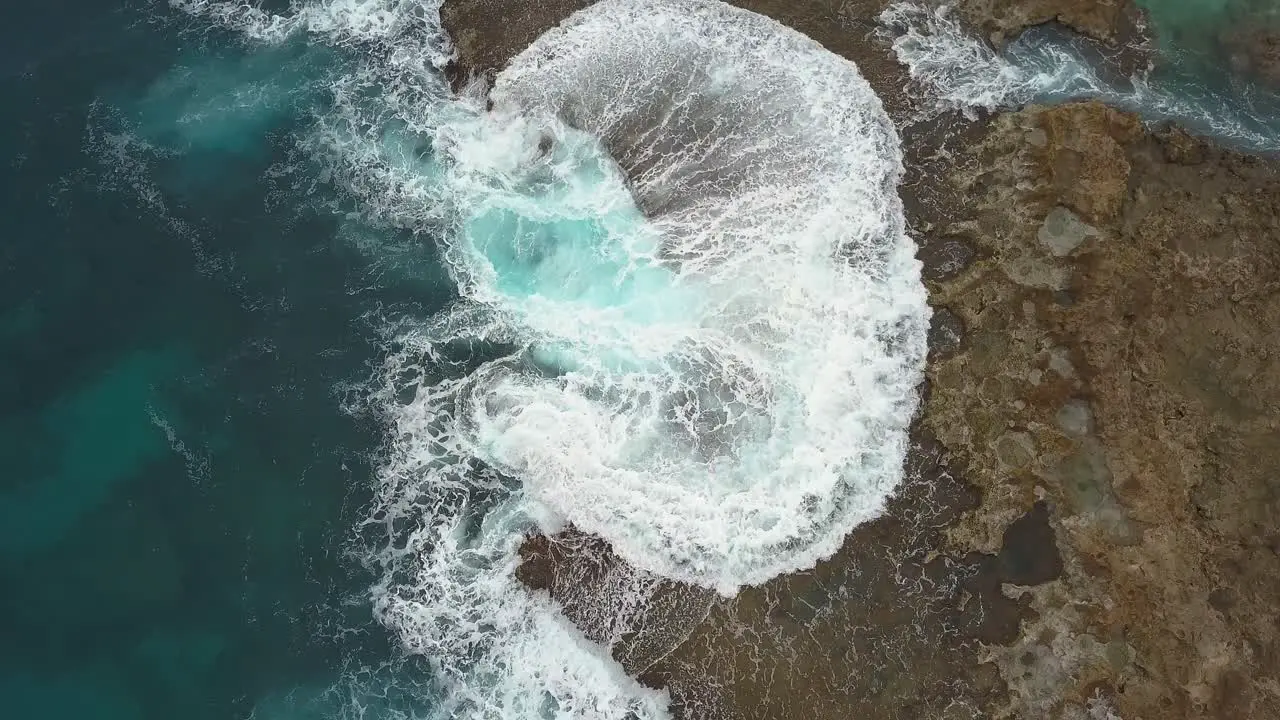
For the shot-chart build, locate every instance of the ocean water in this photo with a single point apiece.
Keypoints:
(180, 482)
(298, 346)
(1192, 80)
(1204, 27)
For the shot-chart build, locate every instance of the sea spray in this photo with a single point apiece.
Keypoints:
(689, 320)
(771, 415)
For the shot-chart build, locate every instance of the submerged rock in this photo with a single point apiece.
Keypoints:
(1063, 231)
(1146, 399)
(1255, 52)
(1029, 553)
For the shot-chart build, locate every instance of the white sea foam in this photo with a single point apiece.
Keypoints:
(343, 22)
(960, 71)
(768, 414)
(690, 320)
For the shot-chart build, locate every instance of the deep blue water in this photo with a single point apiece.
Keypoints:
(178, 478)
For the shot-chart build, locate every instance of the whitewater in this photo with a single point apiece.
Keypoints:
(955, 70)
(689, 319)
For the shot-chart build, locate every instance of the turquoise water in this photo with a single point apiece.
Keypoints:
(1189, 85)
(1200, 77)
(1203, 53)
(180, 312)
(196, 315)
(557, 245)
(1207, 25)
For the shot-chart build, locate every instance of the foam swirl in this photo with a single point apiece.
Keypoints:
(762, 411)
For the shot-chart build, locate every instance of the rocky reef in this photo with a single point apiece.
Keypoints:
(1090, 528)
(1119, 362)
(487, 33)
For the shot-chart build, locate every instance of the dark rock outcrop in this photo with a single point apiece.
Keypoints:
(1111, 21)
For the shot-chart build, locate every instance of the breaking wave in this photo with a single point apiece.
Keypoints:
(688, 318)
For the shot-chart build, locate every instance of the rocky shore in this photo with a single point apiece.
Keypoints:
(1119, 362)
(1090, 528)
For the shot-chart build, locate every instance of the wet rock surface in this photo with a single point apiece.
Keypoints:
(885, 628)
(1029, 553)
(1088, 527)
(946, 333)
(1140, 409)
(1111, 21)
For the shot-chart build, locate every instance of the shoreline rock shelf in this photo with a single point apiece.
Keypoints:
(1088, 528)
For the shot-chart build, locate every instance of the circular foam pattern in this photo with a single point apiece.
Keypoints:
(689, 320)
(720, 377)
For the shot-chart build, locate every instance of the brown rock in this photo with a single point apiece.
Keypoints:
(1181, 147)
(1000, 20)
(1085, 158)
(1150, 399)
(488, 33)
